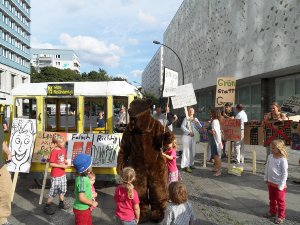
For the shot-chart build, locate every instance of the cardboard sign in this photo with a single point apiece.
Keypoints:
(170, 83)
(295, 136)
(254, 133)
(60, 89)
(185, 96)
(231, 129)
(103, 148)
(43, 145)
(21, 144)
(225, 91)
(277, 130)
(291, 105)
(203, 132)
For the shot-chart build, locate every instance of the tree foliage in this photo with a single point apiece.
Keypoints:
(53, 74)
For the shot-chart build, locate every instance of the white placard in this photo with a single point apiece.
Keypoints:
(103, 148)
(21, 144)
(291, 105)
(225, 91)
(170, 83)
(185, 96)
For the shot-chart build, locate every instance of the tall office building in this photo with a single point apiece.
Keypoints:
(59, 58)
(14, 46)
(257, 42)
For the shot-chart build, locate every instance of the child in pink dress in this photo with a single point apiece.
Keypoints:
(170, 154)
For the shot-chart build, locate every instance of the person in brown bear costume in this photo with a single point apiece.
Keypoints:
(141, 149)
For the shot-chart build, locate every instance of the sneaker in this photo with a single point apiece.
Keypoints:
(187, 169)
(48, 210)
(279, 220)
(269, 215)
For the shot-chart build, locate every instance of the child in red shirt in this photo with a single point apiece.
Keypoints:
(58, 162)
(127, 199)
(170, 154)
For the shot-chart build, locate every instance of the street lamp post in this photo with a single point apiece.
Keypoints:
(158, 43)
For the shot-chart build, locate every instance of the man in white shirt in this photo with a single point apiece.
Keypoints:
(239, 146)
(158, 115)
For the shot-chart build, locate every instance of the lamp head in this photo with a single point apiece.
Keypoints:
(156, 42)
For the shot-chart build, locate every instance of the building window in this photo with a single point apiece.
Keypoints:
(13, 77)
(57, 63)
(23, 80)
(57, 56)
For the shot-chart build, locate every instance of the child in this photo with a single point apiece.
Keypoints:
(179, 211)
(127, 199)
(276, 173)
(92, 178)
(58, 163)
(83, 190)
(170, 154)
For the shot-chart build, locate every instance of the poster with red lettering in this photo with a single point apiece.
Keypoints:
(43, 145)
(231, 129)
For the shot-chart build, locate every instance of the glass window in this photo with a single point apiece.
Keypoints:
(95, 111)
(255, 94)
(120, 112)
(25, 108)
(244, 95)
(297, 86)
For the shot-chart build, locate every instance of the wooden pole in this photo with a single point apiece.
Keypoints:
(228, 146)
(253, 160)
(204, 145)
(44, 183)
(16, 175)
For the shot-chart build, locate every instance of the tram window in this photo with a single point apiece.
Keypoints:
(120, 113)
(61, 114)
(25, 108)
(92, 108)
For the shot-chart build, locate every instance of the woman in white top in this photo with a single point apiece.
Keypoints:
(189, 126)
(215, 140)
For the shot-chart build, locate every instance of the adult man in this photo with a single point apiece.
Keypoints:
(172, 118)
(158, 115)
(101, 120)
(5, 182)
(122, 119)
(239, 146)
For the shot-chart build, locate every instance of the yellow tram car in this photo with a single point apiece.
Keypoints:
(72, 107)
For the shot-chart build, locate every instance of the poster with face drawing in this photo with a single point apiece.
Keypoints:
(21, 144)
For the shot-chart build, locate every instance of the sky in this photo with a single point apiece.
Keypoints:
(115, 35)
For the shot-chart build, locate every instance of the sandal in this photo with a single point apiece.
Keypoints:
(218, 173)
(269, 215)
(279, 220)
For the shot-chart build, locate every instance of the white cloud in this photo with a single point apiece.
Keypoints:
(92, 51)
(36, 44)
(147, 18)
(133, 41)
(136, 73)
(121, 75)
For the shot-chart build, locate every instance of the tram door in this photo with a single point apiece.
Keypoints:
(61, 115)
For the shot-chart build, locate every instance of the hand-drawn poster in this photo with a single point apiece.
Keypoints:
(254, 133)
(231, 129)
(225, 91)
(171, 83)
(203, 131)
(185, 96)
(79, 143)
(103, 148)
(43, 145)
(21, 144)
(277, 130)
(295, 136)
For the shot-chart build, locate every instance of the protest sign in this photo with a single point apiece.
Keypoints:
(231, 129)
(225, 91)
(185, 96)
(203, 131)
(43, 145)
(291, 105)
(170, 83)
(21, 144)
(103, 148)
(295, 137)
(277, 130)
(254, 133)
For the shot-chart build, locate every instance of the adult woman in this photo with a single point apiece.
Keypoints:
(273, 116)
(189, 126)
(215, 140)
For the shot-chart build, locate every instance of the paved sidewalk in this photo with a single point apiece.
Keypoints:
(220, 200)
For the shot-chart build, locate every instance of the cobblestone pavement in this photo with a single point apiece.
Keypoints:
(220, 200)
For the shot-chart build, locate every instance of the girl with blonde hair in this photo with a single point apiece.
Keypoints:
(127, 199)
(276, 173)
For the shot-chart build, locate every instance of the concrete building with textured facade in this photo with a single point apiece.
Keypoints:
(14, 46)
(257, 42)
(59, 58)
